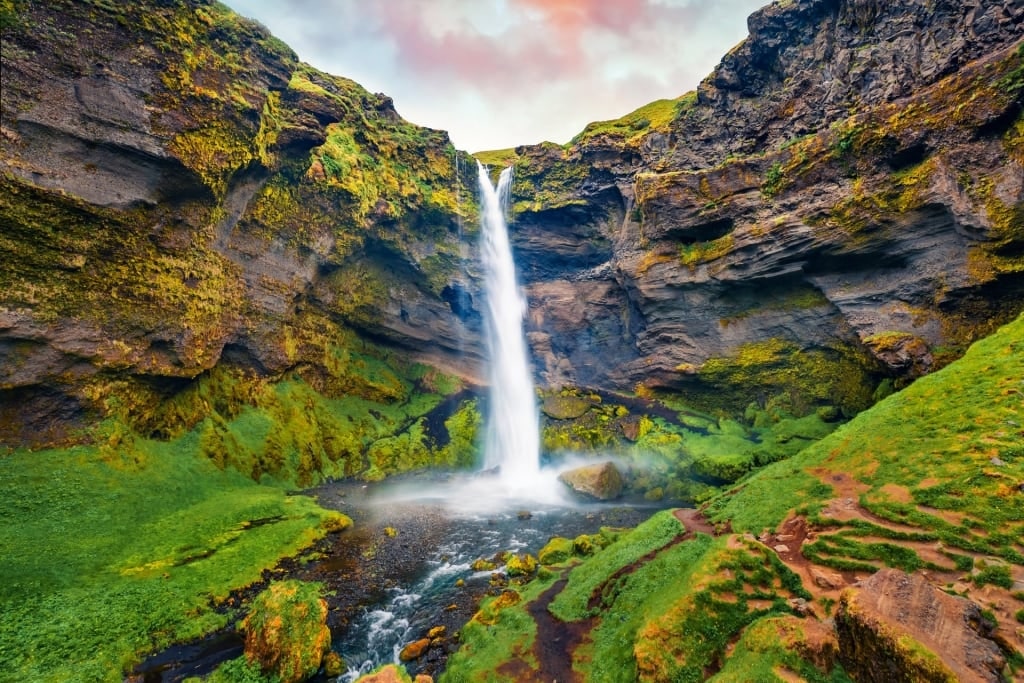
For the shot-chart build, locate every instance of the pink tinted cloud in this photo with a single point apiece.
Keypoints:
(541, 41)
(502, 72)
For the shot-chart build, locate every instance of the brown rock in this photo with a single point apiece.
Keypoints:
(414, 650)
(602, 481)
(387, 674)
(826, 579)
(899, 627)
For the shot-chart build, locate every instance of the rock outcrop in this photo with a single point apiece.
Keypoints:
(180, 193)
(897, 627)
(839, 203)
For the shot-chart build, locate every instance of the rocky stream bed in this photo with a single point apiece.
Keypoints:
(402, 570)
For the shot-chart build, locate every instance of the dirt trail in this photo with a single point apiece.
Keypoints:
(556, 640)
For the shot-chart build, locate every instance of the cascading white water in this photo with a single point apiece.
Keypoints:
(513, 433)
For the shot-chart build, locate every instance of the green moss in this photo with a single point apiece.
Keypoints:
(840, 375)
(773, 648)
(482, 653)
(239, 670)
(914, 439)
(652, 117)
(556, 550)
(286, 630)
(692, 255)
(572, 603)
(143, 541)
(497, 158)
(773, 180)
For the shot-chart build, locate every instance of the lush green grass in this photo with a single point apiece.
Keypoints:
(109, 554)
(654, 116)
(501, 631)
(656, 532)
(936, 439)
(691, 624)
(768, 647)
(632, 602)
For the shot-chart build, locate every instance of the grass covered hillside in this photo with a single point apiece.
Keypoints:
(761, 584)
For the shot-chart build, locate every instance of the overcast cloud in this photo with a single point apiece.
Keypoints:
(500, 73)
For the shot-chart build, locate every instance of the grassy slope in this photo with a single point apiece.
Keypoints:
(107, 556)
(930, 446)
(936, 439)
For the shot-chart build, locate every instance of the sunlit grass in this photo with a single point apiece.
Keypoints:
(107, 558)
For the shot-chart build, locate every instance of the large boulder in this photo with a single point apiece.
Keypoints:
(602, 481)
(898, 627)
(286, 630)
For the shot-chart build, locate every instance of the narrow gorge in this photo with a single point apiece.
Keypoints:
(773, 325)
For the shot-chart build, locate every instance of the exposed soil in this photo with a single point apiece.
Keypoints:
(556, 640)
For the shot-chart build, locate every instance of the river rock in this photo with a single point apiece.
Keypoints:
(414, 650)
(887, 622)
(601, 481)
(386, 674)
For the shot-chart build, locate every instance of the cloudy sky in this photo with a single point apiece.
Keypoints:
(500, 73)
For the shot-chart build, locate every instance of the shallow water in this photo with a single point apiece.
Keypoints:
(392, 576)
(479, 520)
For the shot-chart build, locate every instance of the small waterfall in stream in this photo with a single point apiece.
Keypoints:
(513, 434)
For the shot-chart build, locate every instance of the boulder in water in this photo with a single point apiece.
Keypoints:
(602, 481)
(414, 650)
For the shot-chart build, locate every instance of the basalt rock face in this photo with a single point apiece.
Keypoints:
(840, 202)
(178, 192)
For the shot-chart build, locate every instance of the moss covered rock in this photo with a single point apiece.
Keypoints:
(521, 565)
(602, 481)
(556, 550)
(286, 630)
(565, 407)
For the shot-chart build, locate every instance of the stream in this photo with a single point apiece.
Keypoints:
(394, 575)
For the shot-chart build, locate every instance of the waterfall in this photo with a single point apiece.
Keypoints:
(513, 433)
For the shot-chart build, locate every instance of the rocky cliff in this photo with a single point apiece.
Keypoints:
(838, 207)
(181, 194)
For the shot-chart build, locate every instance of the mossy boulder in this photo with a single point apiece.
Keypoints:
(725, 466)
(482, 565)
(557, 550)
(565, 407)
(521, 565)
(601, 481)
(286, 630)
